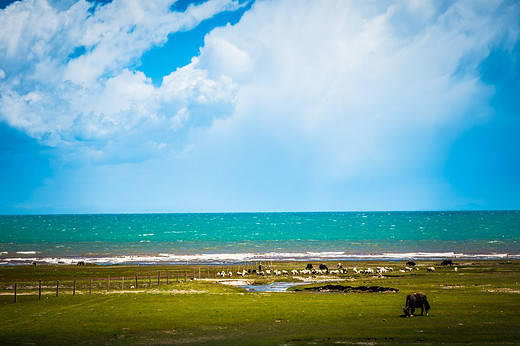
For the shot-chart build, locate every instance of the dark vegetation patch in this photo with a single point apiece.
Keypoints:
(346, 289)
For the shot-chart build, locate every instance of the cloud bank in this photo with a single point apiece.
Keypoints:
(324, 101)
(69, 78)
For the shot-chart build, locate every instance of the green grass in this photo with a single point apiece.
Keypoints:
(479, 304)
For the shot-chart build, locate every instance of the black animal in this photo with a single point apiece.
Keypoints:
(410, 263)
(309, 266)
(260, 268)
(416, 300)
(324, 267)
(447, 263)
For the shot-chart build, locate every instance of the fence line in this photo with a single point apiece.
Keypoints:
(98, 283)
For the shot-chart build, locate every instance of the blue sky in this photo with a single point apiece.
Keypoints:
(221, 105)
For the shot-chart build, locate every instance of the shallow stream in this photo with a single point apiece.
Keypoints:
(272, 287)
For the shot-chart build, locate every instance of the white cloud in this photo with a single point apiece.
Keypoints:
(312, 105)
(361, 86)
(68, 79)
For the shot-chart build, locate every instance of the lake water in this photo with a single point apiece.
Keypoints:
(242, 237)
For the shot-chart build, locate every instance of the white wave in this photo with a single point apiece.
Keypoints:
(26, 252)
(222, 258)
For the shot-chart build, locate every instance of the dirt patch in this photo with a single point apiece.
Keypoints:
(235, 282)
(449, 287)
(504, 290)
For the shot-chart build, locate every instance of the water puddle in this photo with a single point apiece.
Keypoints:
(272, 287)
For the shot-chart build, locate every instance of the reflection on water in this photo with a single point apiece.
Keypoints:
(272, 287)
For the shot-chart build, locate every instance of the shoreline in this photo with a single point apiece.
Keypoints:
(31, 257)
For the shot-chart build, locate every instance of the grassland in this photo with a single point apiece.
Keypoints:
(478, 304)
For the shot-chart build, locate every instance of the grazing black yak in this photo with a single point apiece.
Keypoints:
(416, 300)
(324, 267)
(410, 263)
(309, 266)
(447, 263)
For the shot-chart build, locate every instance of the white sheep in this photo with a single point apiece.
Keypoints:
(430, 269)
(242, 273)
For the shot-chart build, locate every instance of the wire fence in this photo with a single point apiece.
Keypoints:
(108, 284)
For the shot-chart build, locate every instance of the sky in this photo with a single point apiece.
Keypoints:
(249, 106)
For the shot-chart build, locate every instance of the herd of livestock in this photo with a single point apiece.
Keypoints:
(324, 270)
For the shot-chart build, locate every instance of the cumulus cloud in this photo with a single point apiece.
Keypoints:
(68, 78)
(306, 100)
(362, 85)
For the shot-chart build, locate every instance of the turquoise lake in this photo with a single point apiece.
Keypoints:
(235, 237)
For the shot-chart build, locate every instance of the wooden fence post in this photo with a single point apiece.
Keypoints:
(57, 287)
(149, 281)
(136, 282)
(177, 276)
(199, 272)
(159, 278)
(39, 289)
(167, 277)
(193, 273)
(122, 283)
(74, 288)
(108, 284)
(185, 275)
(90, 288)
(15, 291)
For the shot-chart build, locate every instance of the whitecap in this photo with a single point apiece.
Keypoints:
(229, 258)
